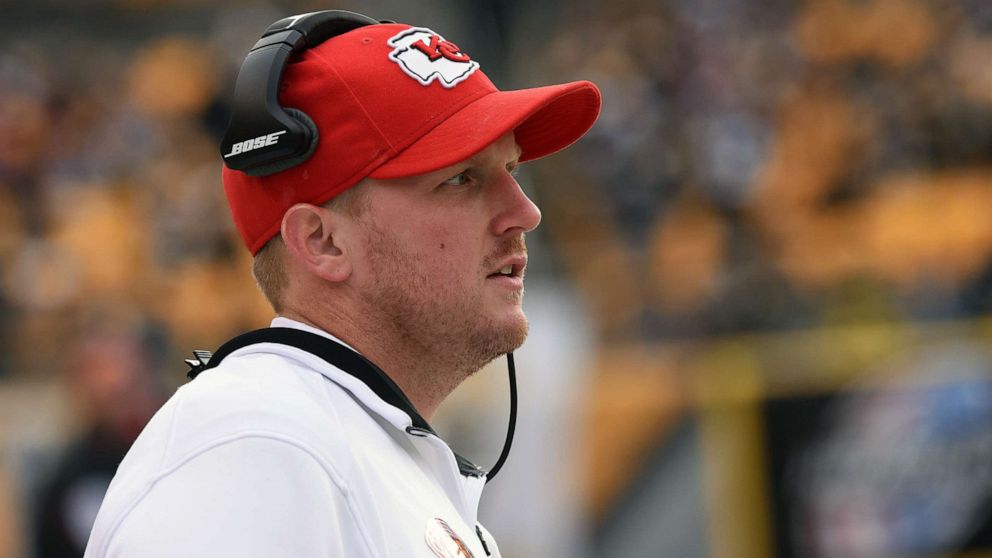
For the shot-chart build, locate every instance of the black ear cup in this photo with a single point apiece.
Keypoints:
(263, 137)
(283, 164)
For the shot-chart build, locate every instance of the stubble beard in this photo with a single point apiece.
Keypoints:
(443, 330)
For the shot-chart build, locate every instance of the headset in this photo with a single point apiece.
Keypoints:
(264, 137)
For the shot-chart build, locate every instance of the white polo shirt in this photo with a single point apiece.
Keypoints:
(275, 452)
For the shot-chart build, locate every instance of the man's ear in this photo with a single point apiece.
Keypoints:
(312, 237)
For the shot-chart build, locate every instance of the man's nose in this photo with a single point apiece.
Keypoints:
(517, 212)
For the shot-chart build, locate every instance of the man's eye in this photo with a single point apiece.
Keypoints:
(459, 179)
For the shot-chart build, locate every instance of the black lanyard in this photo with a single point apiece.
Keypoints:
(360, 367)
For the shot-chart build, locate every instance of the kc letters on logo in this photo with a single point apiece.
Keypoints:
(426, 56)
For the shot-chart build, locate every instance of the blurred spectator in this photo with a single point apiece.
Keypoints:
(111, 378)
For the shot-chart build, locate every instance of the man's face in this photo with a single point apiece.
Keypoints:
(434, 249)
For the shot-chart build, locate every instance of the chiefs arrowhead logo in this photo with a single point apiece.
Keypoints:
(443, 541)
(426, 56)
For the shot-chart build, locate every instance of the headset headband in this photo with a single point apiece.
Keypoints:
(263, 137)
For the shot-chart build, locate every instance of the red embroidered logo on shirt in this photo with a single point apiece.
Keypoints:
(443, 541)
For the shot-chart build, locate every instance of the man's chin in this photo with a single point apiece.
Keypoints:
(512, 333)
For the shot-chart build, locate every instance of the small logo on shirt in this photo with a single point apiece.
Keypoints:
(425, 56)
(443, 541)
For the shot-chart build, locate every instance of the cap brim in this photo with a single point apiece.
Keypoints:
(544, 120)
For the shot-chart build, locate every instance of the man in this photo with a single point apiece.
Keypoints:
(398, 234)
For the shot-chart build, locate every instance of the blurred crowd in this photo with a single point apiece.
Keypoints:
(113, 211)
(759, 165)
(768, 164)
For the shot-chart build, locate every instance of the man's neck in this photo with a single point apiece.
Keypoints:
(420, 372)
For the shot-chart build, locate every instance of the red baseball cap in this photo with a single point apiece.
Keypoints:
(391, 101)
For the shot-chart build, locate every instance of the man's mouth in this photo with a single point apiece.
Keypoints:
(512, 267)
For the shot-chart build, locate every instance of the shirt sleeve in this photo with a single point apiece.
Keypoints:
(252, 497)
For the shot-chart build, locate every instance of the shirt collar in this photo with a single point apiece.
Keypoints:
(281, 321)
(385, 399)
